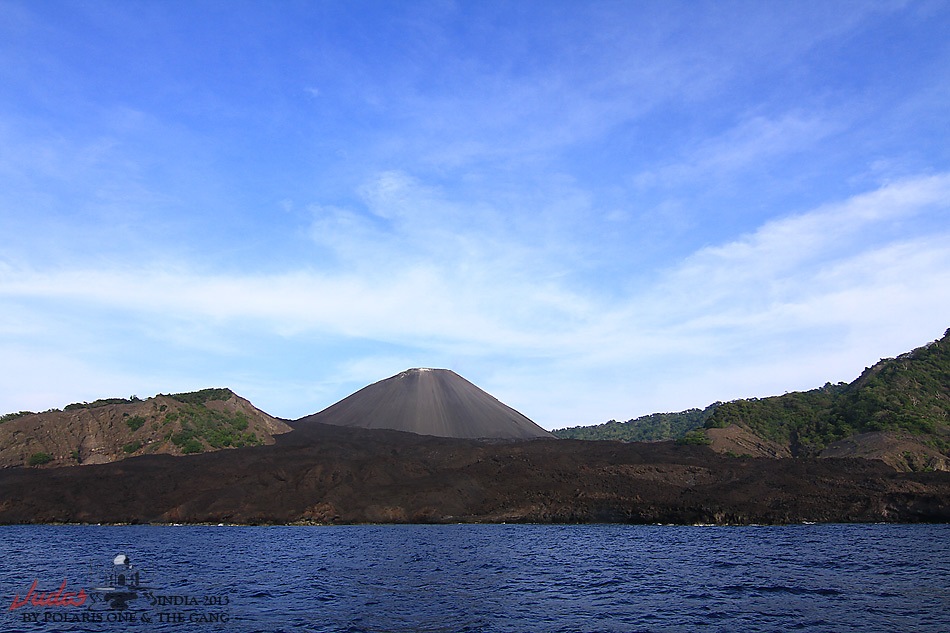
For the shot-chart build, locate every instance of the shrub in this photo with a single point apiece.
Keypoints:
(99, 403)
(647, 428)
(38, 459)
(131, 447)
(135, 422)
(695, 438)
(201, 397)
(192, 446)
(13, 416)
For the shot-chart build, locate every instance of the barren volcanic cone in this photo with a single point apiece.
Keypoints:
(429, 402)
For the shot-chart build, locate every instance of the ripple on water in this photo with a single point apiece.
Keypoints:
(488, 578)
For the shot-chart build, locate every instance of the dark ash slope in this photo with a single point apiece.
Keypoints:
(332, 474)
(429, 402)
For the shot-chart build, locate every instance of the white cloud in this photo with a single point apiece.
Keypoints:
(463, 182)
(788, 254)
(801, 300)
(414, 304)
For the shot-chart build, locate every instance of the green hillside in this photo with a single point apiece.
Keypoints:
(648, 428)
(179, 423)
(910, 394)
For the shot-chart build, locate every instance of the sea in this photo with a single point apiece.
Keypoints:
(475, 578)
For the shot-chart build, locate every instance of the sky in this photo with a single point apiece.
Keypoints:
(591, 210)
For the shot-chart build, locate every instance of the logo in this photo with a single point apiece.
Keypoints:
(123, 585)
(121, 595)
(61, 598)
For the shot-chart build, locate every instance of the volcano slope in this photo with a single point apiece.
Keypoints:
(331, 474)
(429, 402)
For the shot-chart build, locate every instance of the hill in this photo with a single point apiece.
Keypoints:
(898, 411)
(435, 402)
(112, 429)
(341, 473)
(648, 428)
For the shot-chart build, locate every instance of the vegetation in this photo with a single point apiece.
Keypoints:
(202, 396)
(798, 419)
(13, 416)
(696, 437)
(135, 422)
(201, 426)
(38, 459)
(648, 428)
(910, 393)
(190, 420)
(192, 397)
(101, 403)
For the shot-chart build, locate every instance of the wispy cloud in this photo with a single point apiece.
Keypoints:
(733, 307)
(746, 145)
(593, 211)
(782, 251)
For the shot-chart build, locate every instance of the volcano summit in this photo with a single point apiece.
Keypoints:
(429, 402)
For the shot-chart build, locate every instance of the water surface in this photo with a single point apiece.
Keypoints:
(487, 578)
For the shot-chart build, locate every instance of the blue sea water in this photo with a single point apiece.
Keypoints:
(484, 578)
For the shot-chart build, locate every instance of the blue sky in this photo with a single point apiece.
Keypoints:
(591, 210)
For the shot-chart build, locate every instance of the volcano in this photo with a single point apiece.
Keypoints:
(435, 402)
